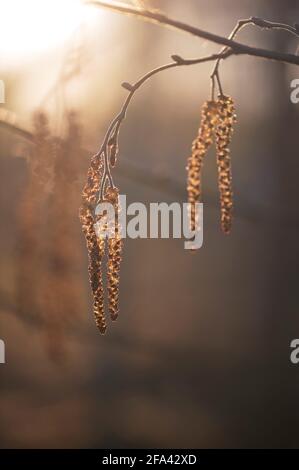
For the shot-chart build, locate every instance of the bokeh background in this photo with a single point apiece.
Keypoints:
(200, 354)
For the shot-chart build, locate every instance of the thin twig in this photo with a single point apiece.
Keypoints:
(240, 25)
(237, 48)
(215, 73)
(112, 133)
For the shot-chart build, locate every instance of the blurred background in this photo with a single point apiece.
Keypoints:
(200, 354)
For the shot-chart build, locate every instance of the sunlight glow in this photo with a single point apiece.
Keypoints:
(30, 26)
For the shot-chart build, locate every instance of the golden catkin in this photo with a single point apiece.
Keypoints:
(200, 147)
(95, 247)
(115, 245)
(224, 132)
(94, 176)
(96, 251)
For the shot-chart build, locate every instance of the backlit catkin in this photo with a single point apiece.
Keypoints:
(103, 236)
(94, 177)
(96, 251)
(224, 132)
(200, 148)
(95, 246)
(114, 256)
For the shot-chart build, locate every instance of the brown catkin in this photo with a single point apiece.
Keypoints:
(94, 176)
(224, 132)
(95, 246)
(96, 251)
(115, 245)
(200, 147)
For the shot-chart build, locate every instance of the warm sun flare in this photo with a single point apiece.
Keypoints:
(28, 26)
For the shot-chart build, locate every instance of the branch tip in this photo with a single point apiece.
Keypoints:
(178, 59)
(127, 86)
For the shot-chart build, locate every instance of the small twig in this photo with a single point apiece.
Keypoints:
(240, 25)
(215, 73)
(273, 25)
(112, 133)
(230, 47)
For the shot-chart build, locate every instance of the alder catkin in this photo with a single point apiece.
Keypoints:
(96, 251)
(200, 147)
(224, 132)
(95, 246)
(115, 245)
(94, 177)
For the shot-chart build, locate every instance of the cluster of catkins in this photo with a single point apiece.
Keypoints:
(101, 242)
(216, 126)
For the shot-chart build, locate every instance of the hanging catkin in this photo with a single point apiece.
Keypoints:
(114, 256)
(96, 251)
(224, 131)
(95, 246)
(200, 147)
(94, 176)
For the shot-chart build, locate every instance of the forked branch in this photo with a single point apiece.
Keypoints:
(111, 137)
(231, 47)
(216, 128)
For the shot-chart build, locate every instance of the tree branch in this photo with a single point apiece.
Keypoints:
(240, 25)
(109, 148)
(237, 48)
(112, 134)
